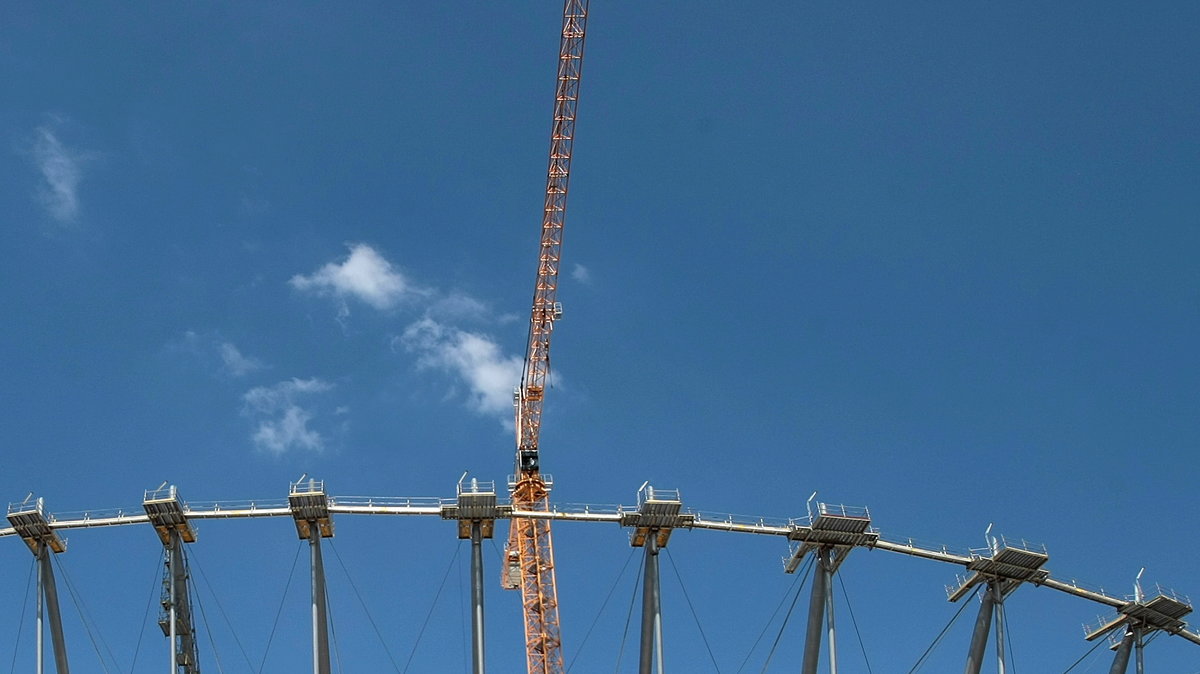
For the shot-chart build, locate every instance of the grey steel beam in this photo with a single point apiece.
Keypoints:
(829, 619)
(181, 631)
(651, 607)
(816, 612)
(50, 591)
(41, 605)
(998, 598)
(172, 615)
(320, 615)
(1139, 647)
(979, 637)
(1121, 660)
(477, 597)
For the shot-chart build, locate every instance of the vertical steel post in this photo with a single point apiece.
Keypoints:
(983, 625)
(1121, 661)
(172, 644)
(477, 597)
(816, 611)
(658, 631)
(998, 609)
(320, 619)
(51, 592)
(651, 625)
(829, 616)
(41, 602)
(1139, 644)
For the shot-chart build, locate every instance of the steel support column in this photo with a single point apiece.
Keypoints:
(816, 612)
(180, 629)
(983, 625)
(832, 633)
(50, 592)
(320, 619)
(1121, 661)
(1139, 647)
(477, 597)
(998, 609)
(172, 615)
(651, 646)
(41, 604)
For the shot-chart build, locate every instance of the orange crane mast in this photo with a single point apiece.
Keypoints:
(529, 557)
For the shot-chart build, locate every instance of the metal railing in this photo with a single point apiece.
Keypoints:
(1001, 542)
(649, 493)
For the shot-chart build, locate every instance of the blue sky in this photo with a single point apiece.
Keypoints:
(938, 260)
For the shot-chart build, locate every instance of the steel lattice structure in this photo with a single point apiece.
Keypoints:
(530, 550)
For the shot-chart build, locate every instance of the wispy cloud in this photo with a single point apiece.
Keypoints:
(475, 358)
(580, 273)
(235, 362)
(364, 275)
(281, 422)
(62, 170)
(219, 355)
(437, 339)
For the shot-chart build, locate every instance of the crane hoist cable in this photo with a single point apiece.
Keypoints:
(529, 557)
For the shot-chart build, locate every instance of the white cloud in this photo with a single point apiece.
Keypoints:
(580, 273)
(476, 359)
(61, 170)
(281, 422)
(235, 362)
(459, 306)
(364, 274)
(217, 354)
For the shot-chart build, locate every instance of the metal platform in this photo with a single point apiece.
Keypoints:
(1010, 563)
(476, 502)
(1163, 612)
(309, 505)
(659, 511)
(30, 523)
(167, 513)
(839, 527)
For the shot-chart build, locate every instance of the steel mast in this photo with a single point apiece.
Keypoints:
(529, 559)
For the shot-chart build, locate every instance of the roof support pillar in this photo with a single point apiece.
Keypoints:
(477, 597)
(816, 610)
(1121, 661)
(983, 625)
(50, 592)
(651, 650)
(320, 614)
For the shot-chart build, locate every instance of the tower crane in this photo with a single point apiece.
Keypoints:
(529, 556)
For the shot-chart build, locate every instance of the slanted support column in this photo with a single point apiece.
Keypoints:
(816, 612)
(29, 521)
(1121, 661)
(320, 615)
(651, 651)
(50, 591)
(477, 597)
(983, 625)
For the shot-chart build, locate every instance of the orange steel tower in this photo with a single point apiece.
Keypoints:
(529, 558)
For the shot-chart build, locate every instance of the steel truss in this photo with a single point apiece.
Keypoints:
(830, 534)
